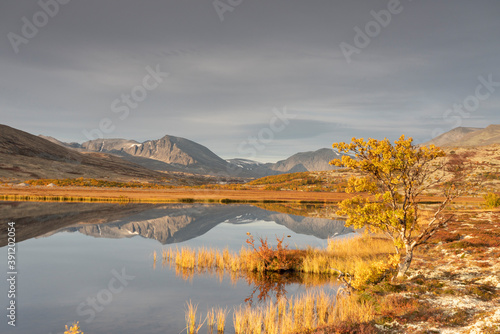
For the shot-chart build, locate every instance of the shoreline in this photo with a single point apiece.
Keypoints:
(183, 195)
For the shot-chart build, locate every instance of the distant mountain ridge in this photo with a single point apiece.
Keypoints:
(108, 145)
(308, 161)
(143, 160)
(466, 137)
(171, 153)
(181, 153)
(311, 161)
(178, 153)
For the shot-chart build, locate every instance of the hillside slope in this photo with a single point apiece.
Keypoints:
(489, 135)
(463, 136)
(25, 156)
(452, 136)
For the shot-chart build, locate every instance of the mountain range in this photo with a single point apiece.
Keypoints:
(168, 153)
(171, 153)
(25, 156)
(170, 159)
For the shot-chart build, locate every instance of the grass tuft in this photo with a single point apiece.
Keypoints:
(192, 326)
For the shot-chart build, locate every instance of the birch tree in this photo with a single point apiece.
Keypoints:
(396, 176)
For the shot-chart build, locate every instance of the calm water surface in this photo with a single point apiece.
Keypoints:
(93, 262)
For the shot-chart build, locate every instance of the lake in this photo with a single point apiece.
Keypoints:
(93, 263)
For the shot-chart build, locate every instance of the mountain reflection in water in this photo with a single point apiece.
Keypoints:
(168, 224)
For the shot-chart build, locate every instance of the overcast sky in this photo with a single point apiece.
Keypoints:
(220, 72)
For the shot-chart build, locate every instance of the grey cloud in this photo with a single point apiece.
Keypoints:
(295, 129)
(226, 77)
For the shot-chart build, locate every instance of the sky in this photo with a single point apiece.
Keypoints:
(260, 80)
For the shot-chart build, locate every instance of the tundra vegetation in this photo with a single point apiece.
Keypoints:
(85, 182)
(491, 200)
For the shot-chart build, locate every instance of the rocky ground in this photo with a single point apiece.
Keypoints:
(454, 282)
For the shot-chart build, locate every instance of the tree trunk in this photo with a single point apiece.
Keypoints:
(403, 266)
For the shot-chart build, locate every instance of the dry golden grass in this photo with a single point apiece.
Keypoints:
(239, 320)
(364, 258)
(182, 195)
(205, 258)
(192, 327)
(349, 308)
(364, 246)
(164, 196)
(185, 258)
(211, 322)
(300, 314)
(322, 308)
(165, 254)
(270, 319)
(254, 320)
(220, 315)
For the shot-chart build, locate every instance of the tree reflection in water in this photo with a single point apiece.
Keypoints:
(271, 285)
(265, 285)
